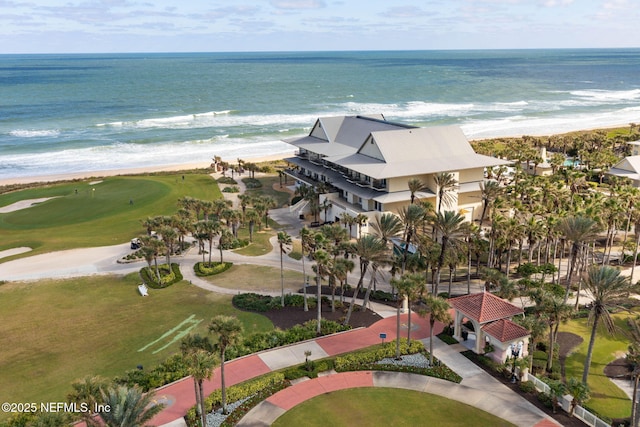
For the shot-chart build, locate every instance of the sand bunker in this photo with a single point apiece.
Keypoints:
(23, 204)
(14, 251)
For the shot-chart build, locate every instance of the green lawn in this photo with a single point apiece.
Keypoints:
(105, 213)
(260, 244)
(54, 332)
(282, 198)
(606, 398)
(257, 278)
(385, 407)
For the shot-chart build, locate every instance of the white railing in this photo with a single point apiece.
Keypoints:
(580, 413)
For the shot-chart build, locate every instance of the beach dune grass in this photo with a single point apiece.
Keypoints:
(606, 398)
(62, 330)
(82, 214)
(385, 407)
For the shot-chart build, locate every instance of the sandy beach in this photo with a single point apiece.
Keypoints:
(130, 171)
(202, 165)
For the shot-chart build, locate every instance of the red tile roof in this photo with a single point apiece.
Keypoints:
(505, 330)
(484, 307)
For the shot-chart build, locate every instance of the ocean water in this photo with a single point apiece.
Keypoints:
(76, 113)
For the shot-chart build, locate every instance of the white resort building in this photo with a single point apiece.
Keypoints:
(367, 162)
(629, 167)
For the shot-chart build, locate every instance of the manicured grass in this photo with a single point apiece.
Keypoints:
(256, 278)
(54, 332)
(606, 398)
(282, 198)
(106, 213)
(260, 244)
(385, 407)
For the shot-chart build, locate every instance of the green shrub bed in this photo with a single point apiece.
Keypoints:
(276, 338)
(209, 269)
(167, 276)
(227, 180)
(367, 361)
(261, 303)
(252, 183)
(446, 338)
(232, 189)
(172, 369)
(256, 390)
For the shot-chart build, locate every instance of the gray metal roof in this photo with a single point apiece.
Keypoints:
(399, 150)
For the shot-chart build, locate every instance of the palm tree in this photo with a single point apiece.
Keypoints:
(341, 268)
(387, 226)
(228, 331)
(449, 227)
(150, 250)
(579, 391)
(200, 365)
(169, 236)
(369, 249)
(284, 241)
(322, 268)
(348, 220)
(490, 190)
(412, 217)
(415, 186)
(127, 407)
(554, 311)
(578, 230)
(438, 310)
(252, 216)
(409, 287)
(88, 391)
(446, 183)
(606, 285)
(306, 240)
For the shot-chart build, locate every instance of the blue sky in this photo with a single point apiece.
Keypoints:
(55, 26)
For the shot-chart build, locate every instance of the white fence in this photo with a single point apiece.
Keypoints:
(565, 402)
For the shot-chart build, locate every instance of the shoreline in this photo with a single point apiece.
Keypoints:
(45, 179)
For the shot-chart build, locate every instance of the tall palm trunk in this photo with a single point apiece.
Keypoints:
(363, 271)
(198, 402)
(203, 406)
(592, 340)
(319, 302)
(634, 401)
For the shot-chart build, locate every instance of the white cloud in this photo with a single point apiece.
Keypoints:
(298, 4)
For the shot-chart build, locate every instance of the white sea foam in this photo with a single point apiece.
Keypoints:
(25, 133)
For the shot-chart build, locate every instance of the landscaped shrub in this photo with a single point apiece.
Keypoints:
(382, 296)
(232, 189)
(252, 183)
(235, 244)
(294, 300)
(528, 387)
(362, 360)
(167, 277)
(253, 302)
(448, 339)
(269, 383)
(209, 269)
(172, 369)
(368, 360)
(227, 180)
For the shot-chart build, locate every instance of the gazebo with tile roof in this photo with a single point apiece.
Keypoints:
(491, 319)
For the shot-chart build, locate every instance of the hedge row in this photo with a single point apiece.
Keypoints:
(209, 269)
